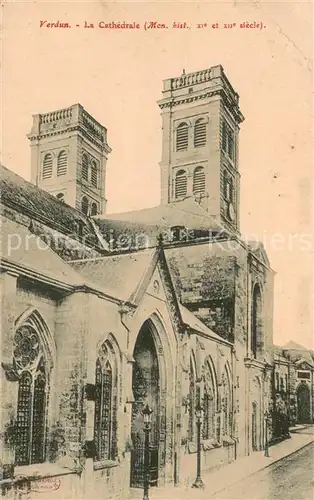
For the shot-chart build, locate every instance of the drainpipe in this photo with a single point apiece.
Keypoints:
(123, 309)
(128, 393)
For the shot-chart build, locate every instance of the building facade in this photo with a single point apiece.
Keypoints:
(103, 314)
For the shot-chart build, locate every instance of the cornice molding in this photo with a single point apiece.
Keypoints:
(231, 105)
(76, 128)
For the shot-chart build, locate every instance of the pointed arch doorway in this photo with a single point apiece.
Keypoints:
(146, 390)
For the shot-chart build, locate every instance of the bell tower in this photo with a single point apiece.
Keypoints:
(200, 129)
(69, 152)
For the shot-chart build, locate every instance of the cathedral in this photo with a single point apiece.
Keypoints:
(167, 306)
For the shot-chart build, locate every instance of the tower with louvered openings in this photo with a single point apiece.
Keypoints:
(69, 152)
(200, 128)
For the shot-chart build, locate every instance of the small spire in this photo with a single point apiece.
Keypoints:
(183, 71)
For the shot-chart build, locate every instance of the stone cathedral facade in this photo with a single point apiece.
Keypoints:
(104, 313)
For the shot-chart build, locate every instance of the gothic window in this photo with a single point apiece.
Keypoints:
(209, 413)
(200, 133)
(180, 184)
(105, 422)
(32, 397)
(94, 210)
(62, 163)
(182, 137)
(228, 143)
(199, 181)
(218, 429)
(208, 405)
(47, 166)
(94, 174)
(85, 167)
(85, 205)
(226, 404)
(282, 387)
(192, 403)
(257, 340)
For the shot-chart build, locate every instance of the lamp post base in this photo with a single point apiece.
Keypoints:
(198, 483)
(266, 454)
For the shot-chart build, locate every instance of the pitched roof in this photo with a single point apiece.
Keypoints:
(185, 213)
(18, 193)
(293, 345)
(119, 276)
(19, 246)
(196, 324)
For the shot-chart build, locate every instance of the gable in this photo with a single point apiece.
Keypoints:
(257, 248)
(302, 364)
(156, 286)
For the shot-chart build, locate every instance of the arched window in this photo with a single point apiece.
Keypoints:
(105, 422)
(228, 188)
(209, 404)
(60, 196)
(192, 402)
(228, 141)
(226, 406)
(181, 184)
(257, 340)
(94, 210)
(31, 398)
(85, 205)
(94, 174)
(200, 135)
(199, 181)
(182, 137)
(62, 163)
(47, 166)
(85, 167)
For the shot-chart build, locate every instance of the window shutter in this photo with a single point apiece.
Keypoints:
(180, 184)
(199, 181)
(62, 163)
(200, 135)
(85, 167)
(94, 174)
(182, 138)
(230, 145)
(47, 167)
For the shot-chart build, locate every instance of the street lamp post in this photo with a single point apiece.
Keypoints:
(198, 483)
(266, 415)
(147, 412)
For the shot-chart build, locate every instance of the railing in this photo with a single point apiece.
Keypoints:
(92, 126)
(75, 113)
(191, 79)
(55, 116)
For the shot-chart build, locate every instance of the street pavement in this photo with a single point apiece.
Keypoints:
(287, 473)
(291, 477)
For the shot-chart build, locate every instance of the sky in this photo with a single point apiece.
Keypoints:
(117, 76)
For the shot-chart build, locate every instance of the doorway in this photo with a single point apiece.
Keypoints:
(303, 402)
(146, 390)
